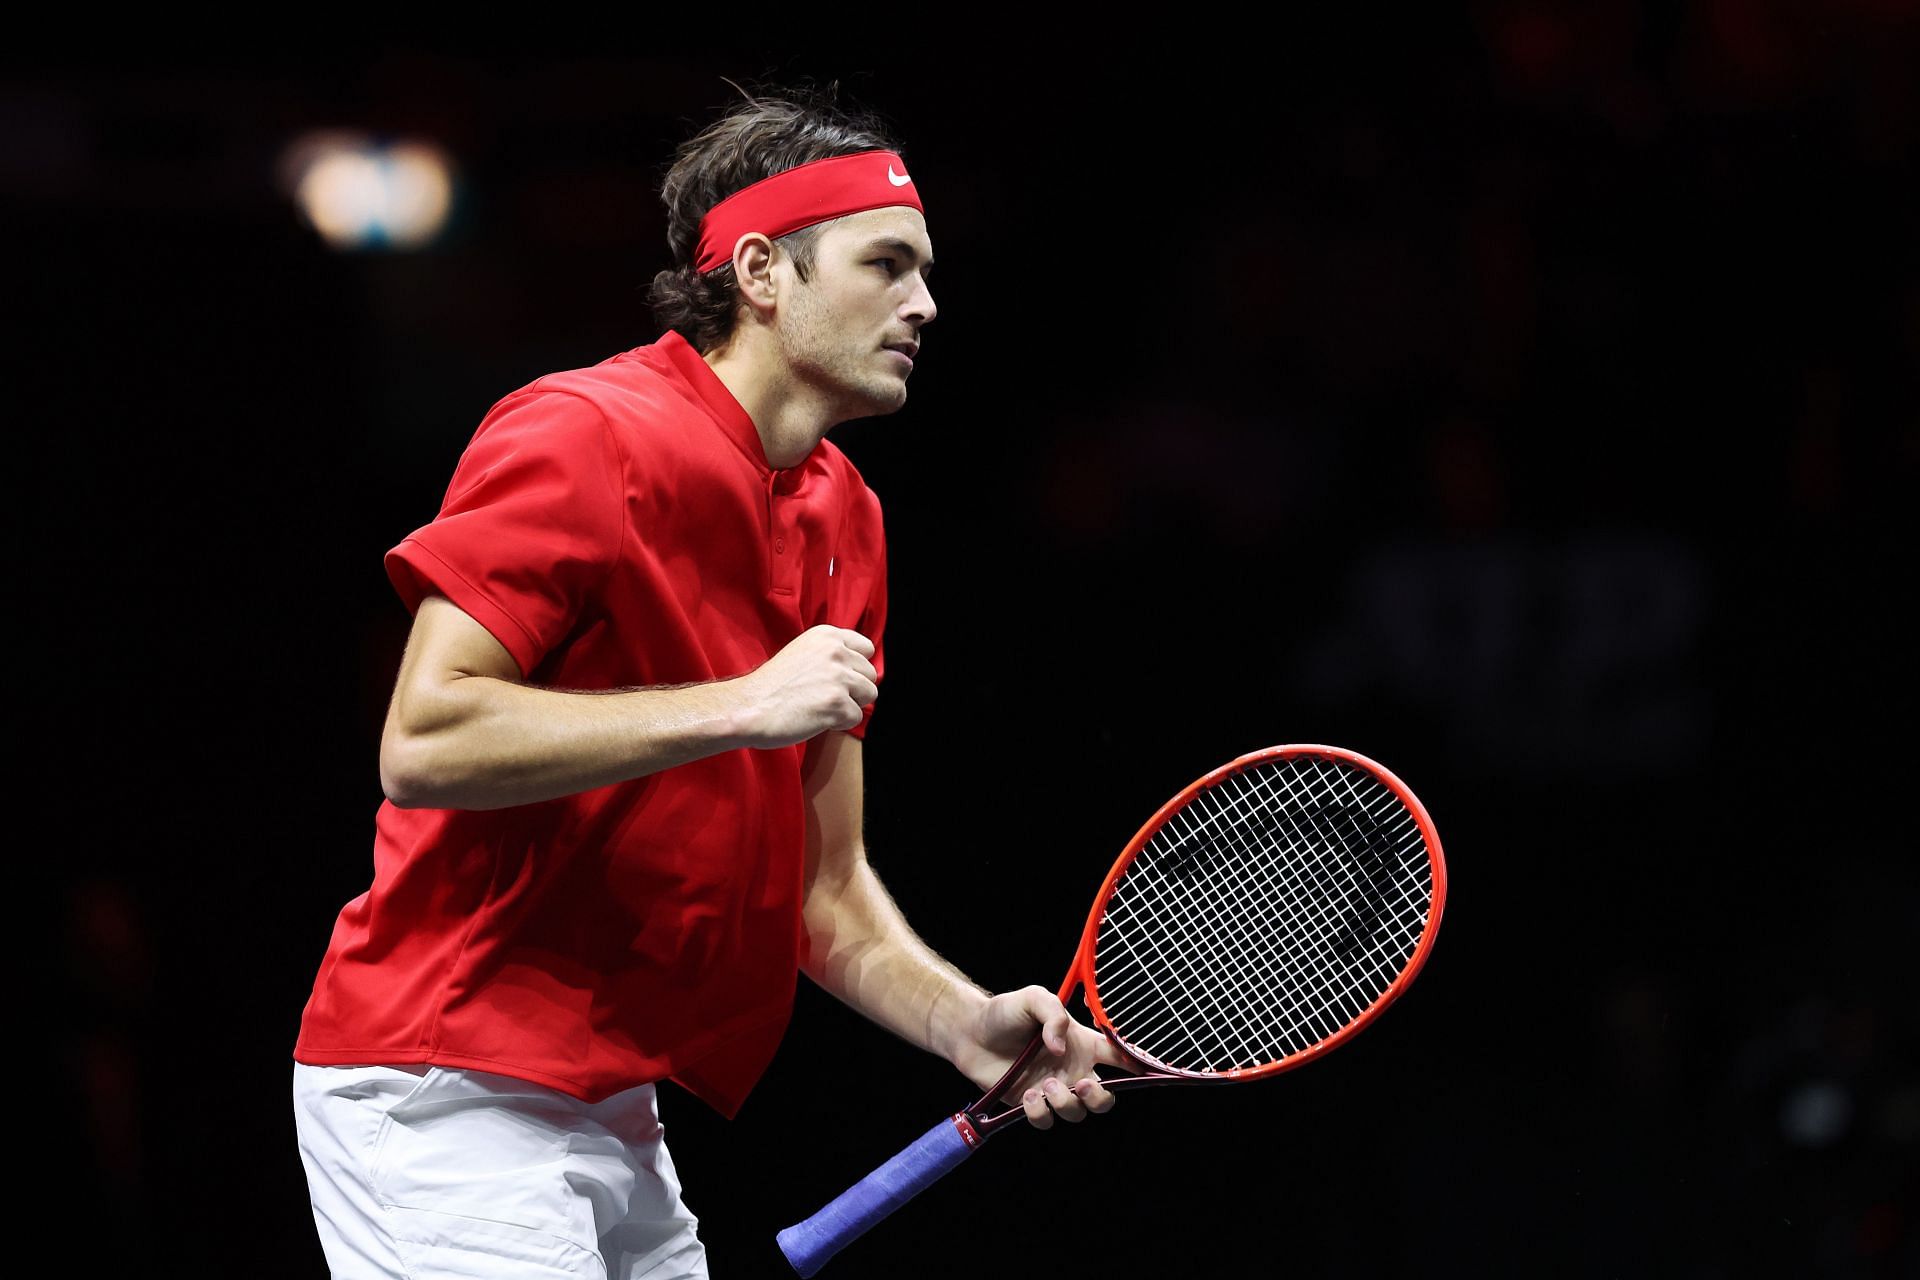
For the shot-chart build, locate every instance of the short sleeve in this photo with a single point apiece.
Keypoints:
(531, 525)
(873, 625)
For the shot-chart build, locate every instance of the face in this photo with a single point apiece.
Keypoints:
(868, 293)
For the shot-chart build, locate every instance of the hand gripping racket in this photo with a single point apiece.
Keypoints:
(1260, 918)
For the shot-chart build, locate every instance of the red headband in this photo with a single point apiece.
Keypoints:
(800, 197)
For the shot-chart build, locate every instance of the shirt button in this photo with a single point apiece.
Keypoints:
(780, 546)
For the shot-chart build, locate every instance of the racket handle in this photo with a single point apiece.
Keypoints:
(808, 1245)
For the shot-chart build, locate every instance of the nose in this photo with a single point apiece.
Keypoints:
(919, 307)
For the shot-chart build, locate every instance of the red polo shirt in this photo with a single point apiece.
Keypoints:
(611, 526)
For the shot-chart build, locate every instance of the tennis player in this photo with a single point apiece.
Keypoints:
(622, 760)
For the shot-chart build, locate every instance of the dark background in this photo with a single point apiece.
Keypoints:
(1521, 395)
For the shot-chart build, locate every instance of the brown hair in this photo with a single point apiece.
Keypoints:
(768, 133)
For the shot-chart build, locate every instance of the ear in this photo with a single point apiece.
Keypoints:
(753, 270)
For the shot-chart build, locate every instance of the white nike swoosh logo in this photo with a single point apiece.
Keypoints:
(897, 179)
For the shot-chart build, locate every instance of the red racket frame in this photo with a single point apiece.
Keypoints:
(976, 1125)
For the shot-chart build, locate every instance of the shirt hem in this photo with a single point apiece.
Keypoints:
(423, 1057)
(726, 1101)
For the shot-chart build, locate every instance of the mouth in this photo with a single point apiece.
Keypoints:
(907, 349)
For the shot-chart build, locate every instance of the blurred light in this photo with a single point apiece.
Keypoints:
(359, 193)
(1816, 1114)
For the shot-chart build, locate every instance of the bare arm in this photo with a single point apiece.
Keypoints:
(859, 946)
(464, 731)
(861, 949)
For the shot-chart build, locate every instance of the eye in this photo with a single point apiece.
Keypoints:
(885, 262)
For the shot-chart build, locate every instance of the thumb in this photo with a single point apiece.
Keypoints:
(1113, 1055)
(1052, 1017)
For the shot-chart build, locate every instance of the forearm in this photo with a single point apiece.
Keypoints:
(477, 742)
(861, 949)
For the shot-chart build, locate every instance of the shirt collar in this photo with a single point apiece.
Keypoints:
(728, 412)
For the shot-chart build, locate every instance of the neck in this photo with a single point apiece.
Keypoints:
(790, 415)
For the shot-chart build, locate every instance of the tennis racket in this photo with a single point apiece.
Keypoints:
(1262, 917)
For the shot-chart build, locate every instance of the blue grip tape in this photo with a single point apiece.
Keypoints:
(935, 1153)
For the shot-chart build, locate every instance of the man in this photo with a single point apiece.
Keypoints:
(623, 756)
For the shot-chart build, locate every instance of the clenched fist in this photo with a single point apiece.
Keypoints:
(821, 680)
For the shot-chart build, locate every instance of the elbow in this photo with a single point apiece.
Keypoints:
(427, 772)
(405, 775)
(399, 795)
(828, 897)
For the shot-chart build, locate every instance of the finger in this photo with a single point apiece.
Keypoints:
(856, 642)
(1093, 1095)
(1035, 1105)
(1065, 1103)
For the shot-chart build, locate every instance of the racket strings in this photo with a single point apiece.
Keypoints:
(1203, 913)
(1223, 984)
(1218, 976)
(1314, 927)
(1268, 912)
(1229, 1041)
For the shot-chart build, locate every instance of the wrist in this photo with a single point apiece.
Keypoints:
(954, 1020)
(740, 711)
(715, 715)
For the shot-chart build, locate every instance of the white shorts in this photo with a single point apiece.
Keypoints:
(431, 1173)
